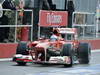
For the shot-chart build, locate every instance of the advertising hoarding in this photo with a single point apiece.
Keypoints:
(53, 18)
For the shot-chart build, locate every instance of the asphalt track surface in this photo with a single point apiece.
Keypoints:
(10, 68)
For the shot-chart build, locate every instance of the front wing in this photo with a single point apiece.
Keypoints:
(52, 60)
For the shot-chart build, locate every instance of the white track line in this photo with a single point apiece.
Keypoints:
(94, 51)
(5, 59)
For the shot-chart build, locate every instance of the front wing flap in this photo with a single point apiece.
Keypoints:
(56, 60)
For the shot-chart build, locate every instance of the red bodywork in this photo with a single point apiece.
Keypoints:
(38, 50)
(41, 46)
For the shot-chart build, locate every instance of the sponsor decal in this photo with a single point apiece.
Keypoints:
(53, 18)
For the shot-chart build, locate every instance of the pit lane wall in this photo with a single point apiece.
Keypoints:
(7, 50)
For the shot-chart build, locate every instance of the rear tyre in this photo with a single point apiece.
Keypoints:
(22, 48)
(84, 51)
(67, 51)
(21, 63)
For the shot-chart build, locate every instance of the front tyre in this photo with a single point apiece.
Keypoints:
(67, 51)
(84, 51)
(21, 63)
(22, 48)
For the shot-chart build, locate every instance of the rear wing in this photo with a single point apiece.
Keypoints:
(67, 30)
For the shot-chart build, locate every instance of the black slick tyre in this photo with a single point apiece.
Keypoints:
(22, 48)
(84, 52)
(21, 63)
(67, 51)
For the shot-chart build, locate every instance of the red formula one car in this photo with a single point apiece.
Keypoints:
(62, 51)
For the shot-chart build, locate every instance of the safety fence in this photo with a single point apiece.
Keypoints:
(86, 24)
(16, 25)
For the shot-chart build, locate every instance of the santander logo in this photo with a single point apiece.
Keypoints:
(54, 18)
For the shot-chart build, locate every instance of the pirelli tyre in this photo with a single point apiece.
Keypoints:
(21, 63)
(22, 48)
(67, 51)
(84, 53)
